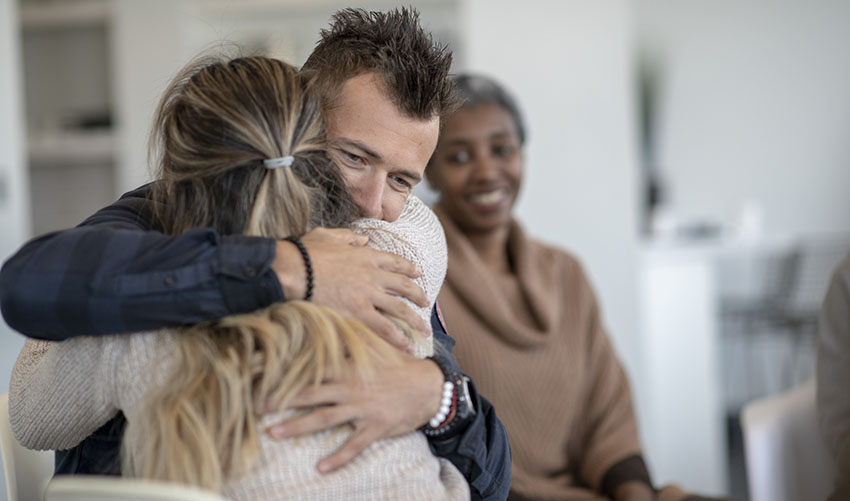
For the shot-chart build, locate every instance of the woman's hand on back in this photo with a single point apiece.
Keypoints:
(354, 280)
(396, 400)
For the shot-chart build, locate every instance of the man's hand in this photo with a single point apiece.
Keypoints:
(397, 400)
(354, 280)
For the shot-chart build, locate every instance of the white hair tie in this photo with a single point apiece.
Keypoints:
(274, 163)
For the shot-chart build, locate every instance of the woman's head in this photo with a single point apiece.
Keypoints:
(217, 123)
(477, 166)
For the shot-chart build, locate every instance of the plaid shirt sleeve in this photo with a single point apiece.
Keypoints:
(482, 452)
(113, 274)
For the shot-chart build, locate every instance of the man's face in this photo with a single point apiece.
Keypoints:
(381, 153)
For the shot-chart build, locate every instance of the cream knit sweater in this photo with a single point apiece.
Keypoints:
(418, 237)
(63, 392)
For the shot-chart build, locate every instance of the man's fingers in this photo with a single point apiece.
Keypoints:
(356, 443)
(313, 422)
(401, 286)
(397, 264)
(323, 394)
(351, 238)
(343, 235)
(383, 327)
(397, 308)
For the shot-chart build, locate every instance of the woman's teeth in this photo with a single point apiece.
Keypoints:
(490, 197)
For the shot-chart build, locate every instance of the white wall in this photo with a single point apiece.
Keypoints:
(570, 66)
(14, 218)
(145, 39)
(755, 105)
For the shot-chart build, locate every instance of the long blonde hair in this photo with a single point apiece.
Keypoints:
(217, 122)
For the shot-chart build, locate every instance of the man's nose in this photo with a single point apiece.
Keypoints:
(371, 201)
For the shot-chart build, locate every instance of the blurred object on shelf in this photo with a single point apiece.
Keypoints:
(750, 221)
(53, 149)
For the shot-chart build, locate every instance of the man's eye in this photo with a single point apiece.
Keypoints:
(400, 183)
(352, 158)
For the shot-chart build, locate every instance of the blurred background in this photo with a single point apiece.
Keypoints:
(694, 154)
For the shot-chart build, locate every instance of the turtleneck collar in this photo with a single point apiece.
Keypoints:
(477, 287)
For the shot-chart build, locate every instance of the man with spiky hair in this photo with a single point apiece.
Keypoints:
(384, 89)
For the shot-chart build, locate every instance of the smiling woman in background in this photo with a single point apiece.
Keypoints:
(526, 320)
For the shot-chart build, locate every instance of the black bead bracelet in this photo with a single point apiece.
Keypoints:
(307, 264)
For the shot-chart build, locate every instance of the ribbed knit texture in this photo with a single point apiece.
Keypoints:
(61, 393)
(418, 237)
(535, 345)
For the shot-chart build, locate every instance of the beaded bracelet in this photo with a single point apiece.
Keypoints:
(445, 405)
(307, 264)
(456, 407)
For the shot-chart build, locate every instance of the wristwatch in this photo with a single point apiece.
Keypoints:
(462, 409)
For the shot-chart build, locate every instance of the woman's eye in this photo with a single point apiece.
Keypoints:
(503, 150)
(460, 157)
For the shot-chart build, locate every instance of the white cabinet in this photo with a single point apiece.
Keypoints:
(69, 109)
(682, 416)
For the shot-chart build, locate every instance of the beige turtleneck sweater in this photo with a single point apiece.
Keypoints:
(535, 345)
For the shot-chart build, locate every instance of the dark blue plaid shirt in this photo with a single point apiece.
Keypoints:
(113, 274)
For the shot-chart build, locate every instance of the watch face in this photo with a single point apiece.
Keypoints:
(464, 407)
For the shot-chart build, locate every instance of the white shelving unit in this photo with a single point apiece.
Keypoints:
(111, 59)
(63, 14)
(68, 90)
(71, 147)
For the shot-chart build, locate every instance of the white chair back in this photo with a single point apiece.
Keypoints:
(95, 488)
(27, 472)
(786, 458)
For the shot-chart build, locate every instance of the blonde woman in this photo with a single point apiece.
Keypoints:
(241, 149)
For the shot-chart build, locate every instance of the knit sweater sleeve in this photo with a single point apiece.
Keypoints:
(610, 427)
(62, 392)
